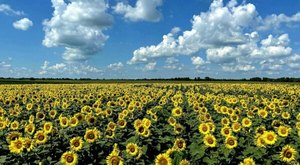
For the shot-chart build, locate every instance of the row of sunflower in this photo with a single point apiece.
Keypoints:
(163, 124)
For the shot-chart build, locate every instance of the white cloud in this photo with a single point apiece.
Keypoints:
(273, 47)
(245, 68)
(173, 64)
(77, 25)
(220, 26)
(294, 61)
(67, 69)
(116, 66)
(198, 61)
(144, 10)
(274, 21)
(6, 9)
(23, 24)
(150, 66)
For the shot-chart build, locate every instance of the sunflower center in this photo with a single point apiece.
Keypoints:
(115, 160)
(283, 131)
(41, 137)
(76, 143)
(163, 161)
(288, 154)
(180, 144)
(19, 145)
(204, 128)
(230, 142)
(91, 136)
(226, 131)
(270, 137)
(210, 141)
(141, 129)
(132, 149)
(70, 158)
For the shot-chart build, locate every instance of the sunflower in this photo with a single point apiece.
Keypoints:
(262, 113)
(122, 123)
(283, 131)
(113, 158)
(231, 142)
(110, 133)
(236, 127)
(163, 159)
(297, 125)
(225, 121)
(141, 130)
(269, 137)
(63, 122)
(40, 137)
(259, 141)
(28, 144)
(111, 125)
(132, 149)
(137, 123)
(73, 121)
(30, 128)
(234, 118)
(79, 116)
(204, 128)
(40, 116)
(13, 136)
(146, 122)
(210, 140)
(260, 130)
(16, 146)
(31, 119)
(76, 143)
(90, 119)
(146, 133)
(179, 144)
(226, 131)
(286, 115)
(69, 158)
(14, 125)
(177, 112)
(276, 123)
(184, 162)
(247, 161)
(29, 106)
(2, 125)
(246, 122)
(288, 153)
(48, 127)
(91, 135)
(178, 128)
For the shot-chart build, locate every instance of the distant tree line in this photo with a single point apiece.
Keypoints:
(256, 79)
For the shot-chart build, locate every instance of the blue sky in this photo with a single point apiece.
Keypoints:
(149, 38)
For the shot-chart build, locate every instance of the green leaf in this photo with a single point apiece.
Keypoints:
(2, 159)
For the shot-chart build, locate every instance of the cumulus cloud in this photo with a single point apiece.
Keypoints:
(6, 9)
(144, 10)
(65, 69)
(244, 68)
(150, 66)
(197, 61)
(115, 66)
(274, 21)
(229, 36)
(77, 25)
(23, 24)
(220, 26)
(173, 64)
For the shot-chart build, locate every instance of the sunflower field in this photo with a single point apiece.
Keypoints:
(150, 123)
